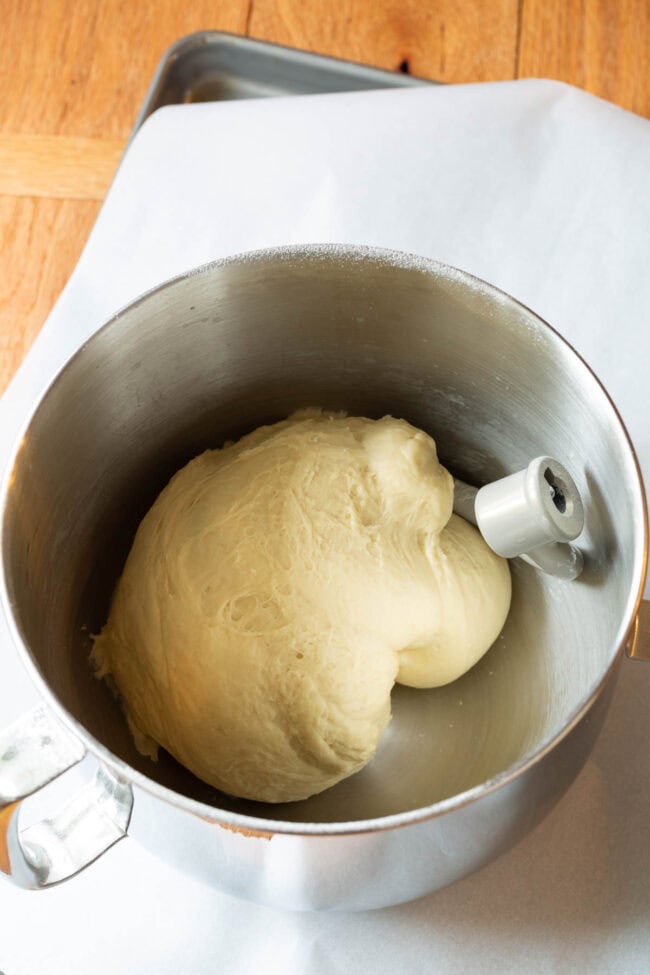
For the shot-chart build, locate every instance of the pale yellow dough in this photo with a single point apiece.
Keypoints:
(279, 587)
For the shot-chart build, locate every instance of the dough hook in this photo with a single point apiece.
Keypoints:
(532, 514)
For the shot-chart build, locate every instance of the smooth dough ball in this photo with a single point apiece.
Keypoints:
(278, 588)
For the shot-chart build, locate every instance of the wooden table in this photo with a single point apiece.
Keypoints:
(72, 77)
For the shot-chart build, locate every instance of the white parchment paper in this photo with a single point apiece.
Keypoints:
(545, 192)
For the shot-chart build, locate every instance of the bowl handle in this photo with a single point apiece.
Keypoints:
(638, 645)
(35, 750)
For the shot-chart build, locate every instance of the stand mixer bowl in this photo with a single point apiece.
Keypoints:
(463, 771)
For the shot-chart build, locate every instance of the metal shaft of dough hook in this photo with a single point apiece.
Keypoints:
(532, 514)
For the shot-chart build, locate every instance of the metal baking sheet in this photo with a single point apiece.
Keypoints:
(215, 66)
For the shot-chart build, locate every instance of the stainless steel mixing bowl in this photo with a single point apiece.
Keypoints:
(463, 771)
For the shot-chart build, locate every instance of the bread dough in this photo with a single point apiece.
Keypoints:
(279, 587)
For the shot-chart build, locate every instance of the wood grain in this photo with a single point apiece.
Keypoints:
(40, 243)
(450, 40)
(83, 68)
(599, 45)
(58, 166)
(78, 71)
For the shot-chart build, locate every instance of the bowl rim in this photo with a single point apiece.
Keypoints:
(252, 825)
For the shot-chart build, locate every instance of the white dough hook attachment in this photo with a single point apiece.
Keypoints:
(533, 514)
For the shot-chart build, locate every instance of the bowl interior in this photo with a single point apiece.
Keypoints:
(213, 355)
